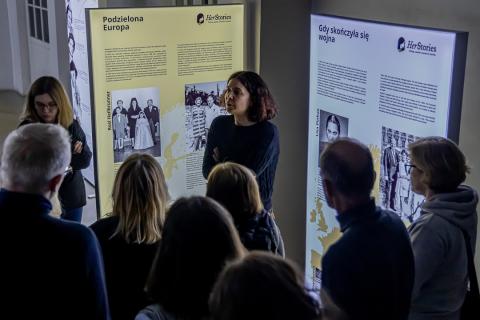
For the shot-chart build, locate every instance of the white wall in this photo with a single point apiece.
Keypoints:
(6, 78)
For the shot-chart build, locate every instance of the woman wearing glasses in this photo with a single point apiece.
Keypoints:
(445, 230)
(47, 102)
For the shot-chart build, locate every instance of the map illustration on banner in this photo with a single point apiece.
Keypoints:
(385, 85)
(158, 92)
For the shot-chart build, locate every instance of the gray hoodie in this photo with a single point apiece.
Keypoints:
(440, 253)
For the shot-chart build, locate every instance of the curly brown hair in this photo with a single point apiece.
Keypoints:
(262, 106)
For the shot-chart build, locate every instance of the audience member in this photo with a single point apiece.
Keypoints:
(447, 224)
(262, 287)
(129, 237)
(234, 186)
(51, 268)
(47, 102)
(368, 272)
(198, 239)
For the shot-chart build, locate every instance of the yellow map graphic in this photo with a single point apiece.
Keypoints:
(376, 154)
(327, 238)
(171, 161)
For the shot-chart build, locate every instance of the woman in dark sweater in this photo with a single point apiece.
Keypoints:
(246, 136)
(129, 238)
(234, 187)
(47, 102)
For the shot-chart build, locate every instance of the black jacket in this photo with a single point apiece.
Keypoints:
(369, 271)
(126, 269)
(260, 232)
(51, 268)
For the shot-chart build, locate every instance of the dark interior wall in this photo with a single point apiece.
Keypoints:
(284, 64)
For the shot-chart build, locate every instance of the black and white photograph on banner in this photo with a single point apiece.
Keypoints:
(395, 188)
(136, 122)
(331, 127)
(202, 105)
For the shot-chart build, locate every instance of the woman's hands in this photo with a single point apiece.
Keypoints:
(78, 147)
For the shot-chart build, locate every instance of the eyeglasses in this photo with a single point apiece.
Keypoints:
(50, 106)
(410, 166)
(68, 170)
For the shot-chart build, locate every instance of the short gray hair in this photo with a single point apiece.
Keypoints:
(32, 155)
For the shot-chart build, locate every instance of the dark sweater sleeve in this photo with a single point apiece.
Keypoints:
(79, 160)
(267, 152)
(208, 161)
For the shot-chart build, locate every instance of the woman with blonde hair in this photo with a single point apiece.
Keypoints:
(443, 237)
(234, 186)
(130, 236)
(198, 240)
(47, 102)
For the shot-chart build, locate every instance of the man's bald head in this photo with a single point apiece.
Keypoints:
(348, 165)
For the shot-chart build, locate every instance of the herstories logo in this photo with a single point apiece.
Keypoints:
(200, 19)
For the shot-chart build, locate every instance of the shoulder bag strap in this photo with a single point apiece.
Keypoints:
(472, 275)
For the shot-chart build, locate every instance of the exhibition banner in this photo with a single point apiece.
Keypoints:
(385, 85)
(157, 76)
(78, 67)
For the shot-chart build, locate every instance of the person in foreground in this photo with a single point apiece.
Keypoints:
(47, 102)
(234, 186)
(51, 268)
(246, 136)
(448, 221)
(129, 237)
(368, 272)
(198, 239)
(262, 286)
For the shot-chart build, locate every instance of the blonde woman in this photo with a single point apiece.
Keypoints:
(129, 237)
(47, 102)
(234, 186)
(445, 231)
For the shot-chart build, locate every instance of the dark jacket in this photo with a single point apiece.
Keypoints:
(72, 191)
(260, 232)
(368, 272)
(51, 268)
(126, 269)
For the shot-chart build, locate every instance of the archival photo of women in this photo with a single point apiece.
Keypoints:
(395, 189)
(202, 106)
(136, 122)
(331, 127)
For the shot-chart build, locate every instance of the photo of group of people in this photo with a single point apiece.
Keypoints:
(135, 122)
(395, 188)
(201, 107)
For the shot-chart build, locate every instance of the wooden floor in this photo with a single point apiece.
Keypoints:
(11, 106)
